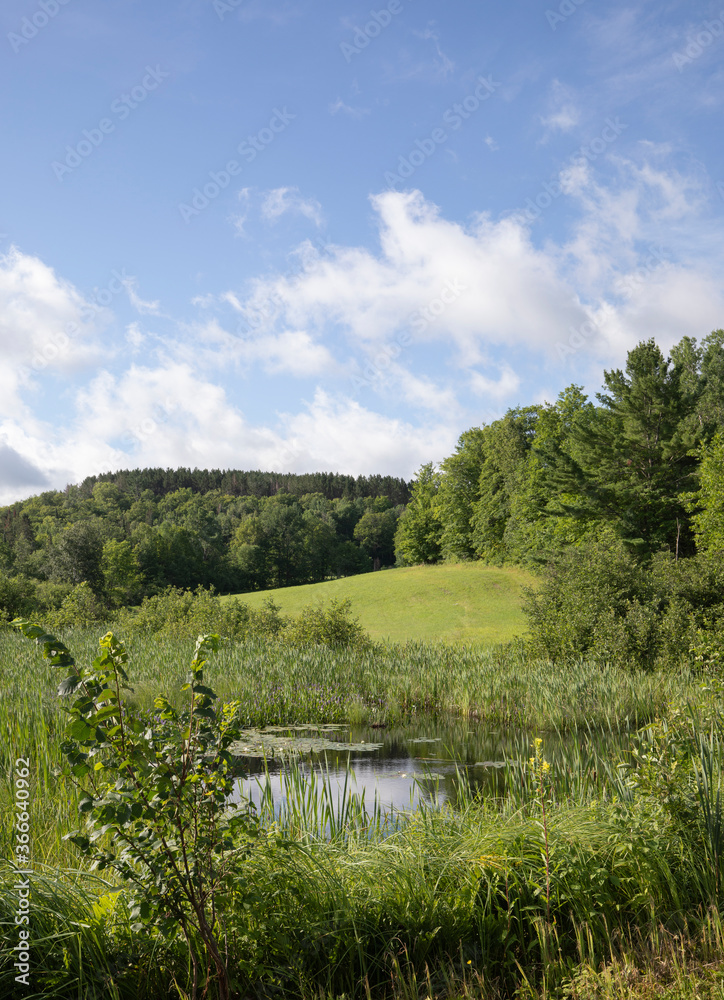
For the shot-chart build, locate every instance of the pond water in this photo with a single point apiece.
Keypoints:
(402, 766)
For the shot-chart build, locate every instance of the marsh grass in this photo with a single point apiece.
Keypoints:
(474, 898)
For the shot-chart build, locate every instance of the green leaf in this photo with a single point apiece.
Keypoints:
(80, 730)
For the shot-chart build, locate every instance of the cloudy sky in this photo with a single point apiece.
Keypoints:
(302, 235)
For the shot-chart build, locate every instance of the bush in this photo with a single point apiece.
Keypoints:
(598, 599)
(80, 607)
(17, 596)
(332, 626)
(191, 613)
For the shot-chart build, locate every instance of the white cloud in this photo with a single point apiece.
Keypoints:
(139, 304)
(291, 352)
(45, 324)
(134, 335)
(495, 390)
(563, 114)
(169, 416)
(288, 199)
(499, 288)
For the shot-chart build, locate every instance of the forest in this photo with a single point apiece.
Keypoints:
(619, 504)
(130, 534)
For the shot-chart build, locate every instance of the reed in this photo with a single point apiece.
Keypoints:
(483, 896)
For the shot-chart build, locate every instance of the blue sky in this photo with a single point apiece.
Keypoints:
(300, 235)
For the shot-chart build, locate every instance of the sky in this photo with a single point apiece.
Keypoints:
(298, 235)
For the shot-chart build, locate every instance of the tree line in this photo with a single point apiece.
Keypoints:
(131, 534)
(547, 476)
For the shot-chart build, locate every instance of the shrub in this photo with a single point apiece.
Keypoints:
(189, 613)
(156, 807)
(332, 626)
(80, 607)
(598, 599)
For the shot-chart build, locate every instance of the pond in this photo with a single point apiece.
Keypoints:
(403, 766)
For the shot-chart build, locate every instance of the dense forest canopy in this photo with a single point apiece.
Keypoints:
(132, 533)
(545, 477)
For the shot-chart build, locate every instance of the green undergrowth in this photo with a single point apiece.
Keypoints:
(277, 683)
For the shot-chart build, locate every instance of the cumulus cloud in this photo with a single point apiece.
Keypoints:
(171, 416)
(292, 352)
(16, 471)
(445, 314)
(481, 284)
(45, 324)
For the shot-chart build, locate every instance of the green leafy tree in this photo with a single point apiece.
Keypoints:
(458, 491)
(631, 466)
(122, 573)
(375, 532)
(506, 446)
(707, 504)
(418, 538)
(77, 555)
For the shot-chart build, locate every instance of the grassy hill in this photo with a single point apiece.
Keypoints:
(456, 602)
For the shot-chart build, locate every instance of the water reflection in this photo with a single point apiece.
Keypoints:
(423, 760)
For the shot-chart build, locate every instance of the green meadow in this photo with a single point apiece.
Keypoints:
(456, 602)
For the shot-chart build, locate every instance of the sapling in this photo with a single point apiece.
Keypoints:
(156, 802)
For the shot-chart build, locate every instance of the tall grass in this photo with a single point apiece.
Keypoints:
(477, 897)
(279, 684)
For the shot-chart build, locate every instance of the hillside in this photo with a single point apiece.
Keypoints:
(454, 602)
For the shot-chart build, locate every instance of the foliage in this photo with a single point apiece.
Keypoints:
(600, 599)
(80, 607)
(132, 534)
(707, 503)
(187, 613)
(156, 808)
(375, 532)
(377, 909)
(331, 626)
(418, 534)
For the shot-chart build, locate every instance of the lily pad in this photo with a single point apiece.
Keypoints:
(268, 743)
